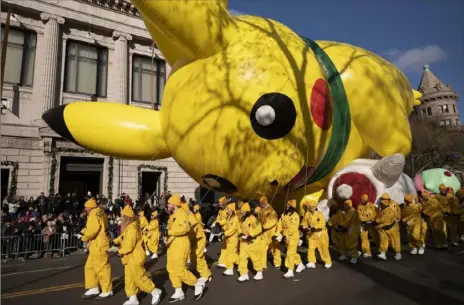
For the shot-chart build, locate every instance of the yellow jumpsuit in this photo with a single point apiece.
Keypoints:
(388, 229)
(350, 221)
(153, 236)
(197, 245)
(133, 258)
(433, 211)
(318, 238)
(178, 245)
(366, 215)
(231, 230)
(269, 220)
(414, 225)
(221, 219)
(290, 224)
(252, 250)
(97, 267)
(143, 224)
(338, 238)
(452, 207)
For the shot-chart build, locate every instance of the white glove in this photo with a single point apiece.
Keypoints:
(279, 238)
(244, 237)
(300, 242)
(79, 236)
(409, 223)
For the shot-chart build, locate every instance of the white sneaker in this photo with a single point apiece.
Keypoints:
(421, 251)
(243, 278)
(221, 266)
(105, 295)
(455, 243)
(398, 256)
(147, 253)
(178, 295)
(228, 272)
(204, 251)
(382, 256)
(154, 256)
(310, 265)
(289, 274)
(199, 289)
(156, 296)
(258, 276)
(367, 255)
(300, 268)
(132, 301)
(92, 292)
(205, 280)
(413, 251)
(342, 258)
(354, 260)
(327, 266)
(300, 242)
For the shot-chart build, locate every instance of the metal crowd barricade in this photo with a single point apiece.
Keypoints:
(38, 245)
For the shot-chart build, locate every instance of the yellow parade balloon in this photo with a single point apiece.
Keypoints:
(251, 107)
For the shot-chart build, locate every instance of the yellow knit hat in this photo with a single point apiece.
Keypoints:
(223, 200)
(127, 211)
(91, 203)
(245, 207)
(348, 203)
(175, 200)
(292, 203)
(409, 198)
(231, 205)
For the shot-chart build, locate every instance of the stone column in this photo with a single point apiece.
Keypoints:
(48, 80)
(120, 78)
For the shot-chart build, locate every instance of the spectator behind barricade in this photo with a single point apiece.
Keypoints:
(42, 203)
(36, 213)
(31, 203)
(13, 210)
(48, 233)
(113, 227)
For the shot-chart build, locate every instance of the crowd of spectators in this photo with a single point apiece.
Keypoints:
(46, 226)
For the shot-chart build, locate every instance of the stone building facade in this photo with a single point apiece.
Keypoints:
(60, 51)
(439, 101)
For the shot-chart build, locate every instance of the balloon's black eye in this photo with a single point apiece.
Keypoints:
(273, 116)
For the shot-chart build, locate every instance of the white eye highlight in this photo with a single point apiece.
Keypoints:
(265, 115)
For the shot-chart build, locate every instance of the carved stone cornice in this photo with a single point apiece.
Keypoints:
(46, 17)
(121, 6)
(121, 35)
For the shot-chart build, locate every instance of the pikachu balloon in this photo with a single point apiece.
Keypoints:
(251, 108)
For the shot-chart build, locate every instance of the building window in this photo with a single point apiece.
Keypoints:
(442, 123)
(20, 57)
(458, 123)
(86, 69)
(454, 108)
(448, 122)
(444, 109)
(429, 111)
(424, 112)
(148, 79)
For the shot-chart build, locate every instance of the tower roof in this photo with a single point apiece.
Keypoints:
(431, 84)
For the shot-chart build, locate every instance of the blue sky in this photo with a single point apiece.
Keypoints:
(409, 33)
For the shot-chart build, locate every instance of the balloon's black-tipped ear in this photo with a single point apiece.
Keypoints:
(111, 129)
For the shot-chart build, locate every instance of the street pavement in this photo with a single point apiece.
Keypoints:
(437, 278)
